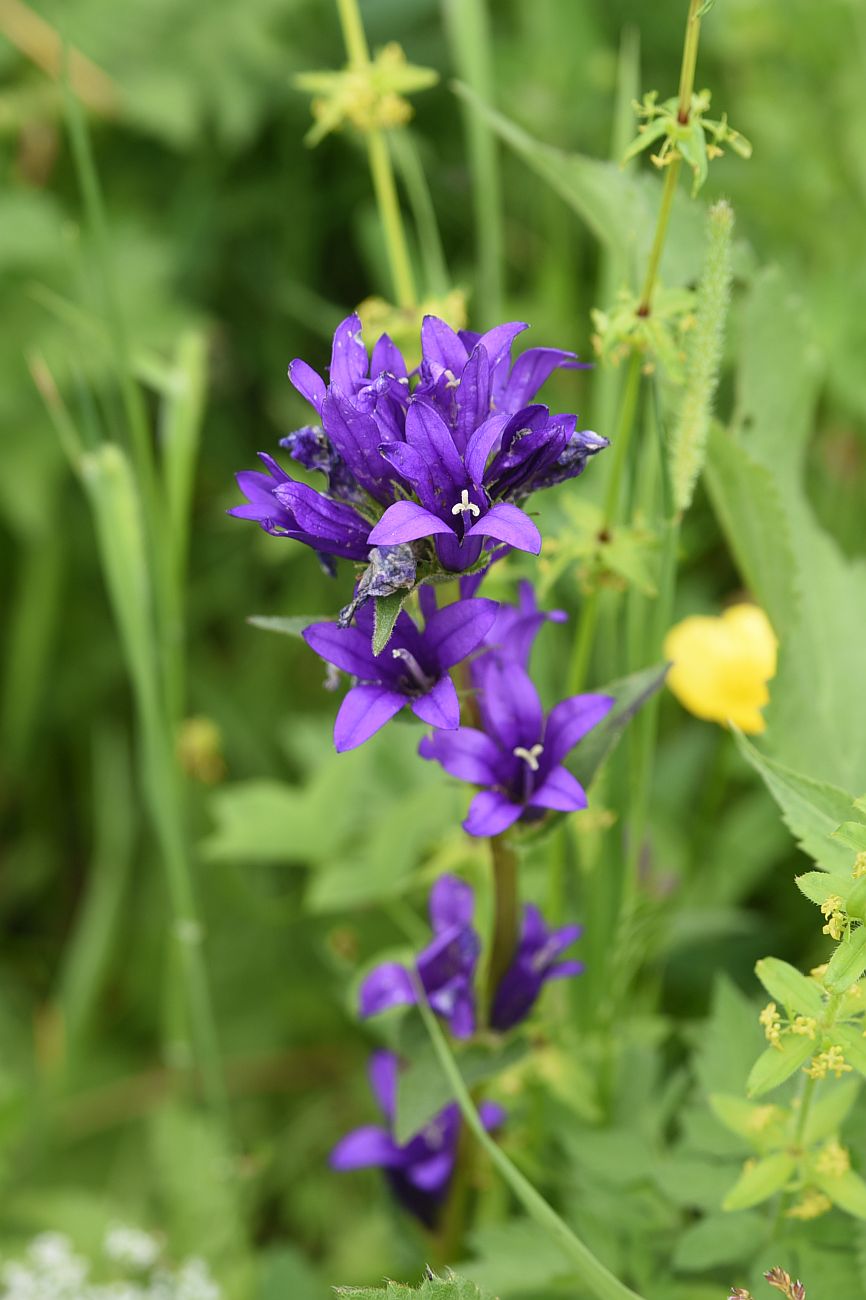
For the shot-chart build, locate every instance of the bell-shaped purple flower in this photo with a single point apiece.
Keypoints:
(455, 507)
(535, 962)
(289, 509)
(517, 755)
(445, 968)
(412, 669)
(419, 1172)
(515, 628)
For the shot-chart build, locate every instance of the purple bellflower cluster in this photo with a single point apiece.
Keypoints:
(425, 478)
(440, 467)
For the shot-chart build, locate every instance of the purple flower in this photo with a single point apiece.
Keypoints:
(455, 507)
(517, 754)
(446, 967)
(535, 962)
(419, 1172)
(515, 627)
(289, 509)
(412, 669)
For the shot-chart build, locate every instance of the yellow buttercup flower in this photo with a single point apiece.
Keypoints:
(721, 666)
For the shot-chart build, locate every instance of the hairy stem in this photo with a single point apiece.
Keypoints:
(597, 1279)
(506, 912)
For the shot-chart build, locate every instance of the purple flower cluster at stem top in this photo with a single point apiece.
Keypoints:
(420, 1171)
(444, 463)
(446, 968)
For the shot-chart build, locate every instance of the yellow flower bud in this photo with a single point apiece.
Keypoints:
(721, 666)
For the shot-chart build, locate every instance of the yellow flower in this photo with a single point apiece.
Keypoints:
(721, 666)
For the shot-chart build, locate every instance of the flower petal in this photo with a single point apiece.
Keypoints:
(454, 631)
(364, 711)
(560, 791)
(569, 721)
(509, 704)
(406, 522)
(452, 902)
(344, 647)
(388, 985)
(382, 1070)
(441, 347)
(532, 369)
(440, 706)
(490, 813)
(492, 1115)
(387, 357)
(308, 383)
(430, 435)
(467, 753)
(473, 396)
(481, 444)
(366, 1147)
(349, 362)
(507, 523)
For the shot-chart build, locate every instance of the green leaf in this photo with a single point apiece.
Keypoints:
(292, 626)
(748, 506)
(513, 1256)
(449, 1287)
(740, 1116)
(852, 834)
(847, 1190)
(853, 1044)
(759, 1181)
(828, 1113)
(423, 1088)
(777, 1064)
(619, 207)
(819, 885)
(718, 1239)
(848, 962)
(812, 810)
(783, 982)
(387, 611)
(630, 693)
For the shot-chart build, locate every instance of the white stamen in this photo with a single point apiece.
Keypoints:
(465, 506)
(416, 672)
(451, 381)
(529, 756)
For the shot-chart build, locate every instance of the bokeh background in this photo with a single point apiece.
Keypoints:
(223, 223)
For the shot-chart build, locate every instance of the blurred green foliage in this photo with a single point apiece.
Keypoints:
(222, 221)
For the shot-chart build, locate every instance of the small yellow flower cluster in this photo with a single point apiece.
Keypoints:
(805, 1026)
(833, 1160)
(370, 96)
(833, 909)
(818, 972)
(403, 324)
(772, 1024)
(762, 1117)
(811, 1205)
(858, 871)
(830, 1062)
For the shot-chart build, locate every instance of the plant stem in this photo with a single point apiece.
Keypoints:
(381, 168)
(468, 26)
(592, 1273)
(687, 84)
(625, 428)
(506, 912)
(658, 244)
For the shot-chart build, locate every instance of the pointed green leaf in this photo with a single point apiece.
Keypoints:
(828, 1113)
(759, 1181)
(850, 1038)
(784, 983)
(387, 611)
(777, 1064)
(847, 963)
(812, 810)
(852, 835)
(848, 1191)
(819, 885)
(448, 1287)
(292, 626)
(630, 694)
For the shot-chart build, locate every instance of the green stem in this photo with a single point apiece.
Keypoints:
(658, 244)
(625, 428)
(468, 26)
(381, 169)
(506, 912)
(592, 1273)
(687, 83)
(583, 643)
(429, 241)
